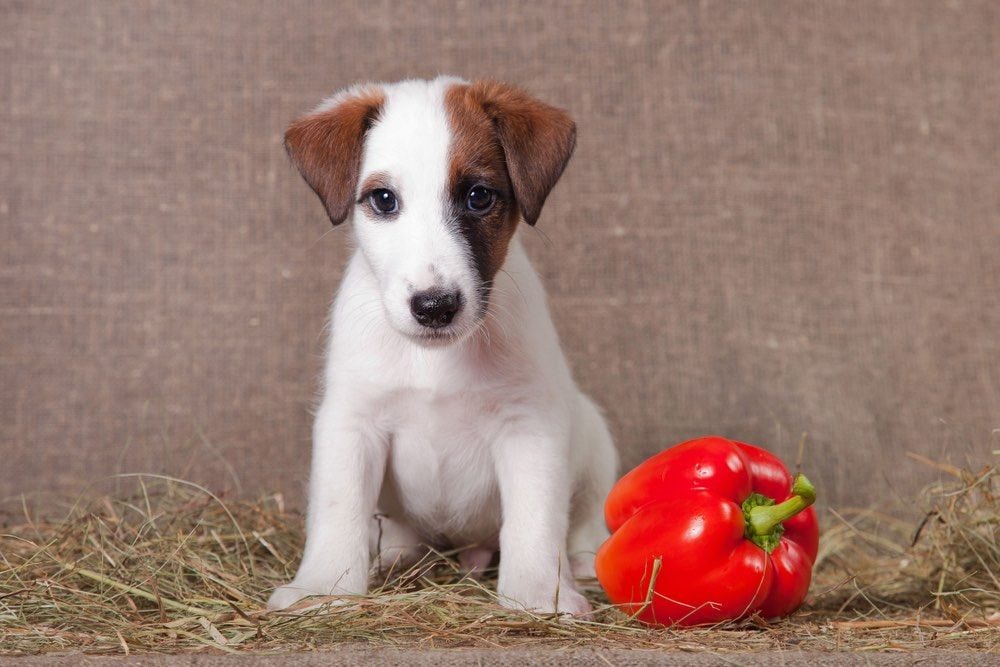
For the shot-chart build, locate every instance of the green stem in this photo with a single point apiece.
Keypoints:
(765, 518)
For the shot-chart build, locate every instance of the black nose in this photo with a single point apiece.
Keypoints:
(435, 308)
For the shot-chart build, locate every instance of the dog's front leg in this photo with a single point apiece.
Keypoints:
(348, 466)
(535, 487)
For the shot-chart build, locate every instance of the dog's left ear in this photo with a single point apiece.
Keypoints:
(327, 145)
(537, 141)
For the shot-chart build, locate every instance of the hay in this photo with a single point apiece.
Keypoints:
(172, 568)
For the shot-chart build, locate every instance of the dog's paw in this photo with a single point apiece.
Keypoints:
(567, 601)
(293, 593)
(287, 595)
(573, 603)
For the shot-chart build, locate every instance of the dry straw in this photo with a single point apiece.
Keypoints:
(173, 568)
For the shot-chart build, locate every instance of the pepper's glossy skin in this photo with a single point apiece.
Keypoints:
(684, 506)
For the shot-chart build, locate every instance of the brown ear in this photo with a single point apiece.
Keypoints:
(326, 147)
(537, 141)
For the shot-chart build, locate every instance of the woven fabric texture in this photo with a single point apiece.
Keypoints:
(781, 219)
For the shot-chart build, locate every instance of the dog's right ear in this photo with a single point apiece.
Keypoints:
(326, 147)
(537, 141)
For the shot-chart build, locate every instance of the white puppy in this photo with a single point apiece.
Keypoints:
(448, 405)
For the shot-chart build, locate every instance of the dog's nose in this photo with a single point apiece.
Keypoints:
(435, 308)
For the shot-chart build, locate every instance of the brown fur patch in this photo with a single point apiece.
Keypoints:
(537, 140)
(376, 180)
(477, 158)
(326, 147)
(512, 143)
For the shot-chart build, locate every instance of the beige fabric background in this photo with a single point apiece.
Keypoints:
(781, 218)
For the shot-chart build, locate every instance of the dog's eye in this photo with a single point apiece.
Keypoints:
(480, 199)
(383, 201)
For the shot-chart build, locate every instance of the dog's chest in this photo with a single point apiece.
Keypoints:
(441, 473)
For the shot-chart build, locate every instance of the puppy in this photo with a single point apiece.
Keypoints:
(448, 411)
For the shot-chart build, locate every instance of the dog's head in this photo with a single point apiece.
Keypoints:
(436, 176)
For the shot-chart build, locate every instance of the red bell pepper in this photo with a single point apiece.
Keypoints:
(708, 531)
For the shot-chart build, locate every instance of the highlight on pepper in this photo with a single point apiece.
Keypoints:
(707, 531)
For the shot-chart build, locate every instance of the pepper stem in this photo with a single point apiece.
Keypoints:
(764, 518)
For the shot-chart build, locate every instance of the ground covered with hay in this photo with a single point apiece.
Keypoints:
(172, 568)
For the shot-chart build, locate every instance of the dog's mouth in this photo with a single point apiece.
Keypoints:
(444, 336)
(437, 337)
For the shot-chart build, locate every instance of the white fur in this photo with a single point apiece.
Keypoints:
(481, 439)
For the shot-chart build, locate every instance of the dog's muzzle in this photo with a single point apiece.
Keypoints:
(435, 309)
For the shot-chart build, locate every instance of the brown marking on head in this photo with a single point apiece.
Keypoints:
(537, 140)
(376, 180)
(326, 147)
(513, 144)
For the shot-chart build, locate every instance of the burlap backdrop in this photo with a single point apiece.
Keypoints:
(780, 219)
